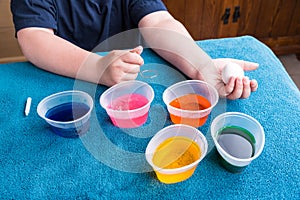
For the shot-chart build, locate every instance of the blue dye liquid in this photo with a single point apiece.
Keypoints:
(68, 112)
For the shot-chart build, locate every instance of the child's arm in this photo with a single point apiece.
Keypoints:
(51, 53)
(173, 42)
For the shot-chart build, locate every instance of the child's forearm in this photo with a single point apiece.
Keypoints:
(173, 42)
(51, 53)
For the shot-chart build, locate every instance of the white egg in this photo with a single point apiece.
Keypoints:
(231, 70)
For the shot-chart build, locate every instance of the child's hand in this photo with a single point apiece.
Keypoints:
(240, 87)
(120, 65)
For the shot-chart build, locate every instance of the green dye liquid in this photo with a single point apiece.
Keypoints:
(237, 142)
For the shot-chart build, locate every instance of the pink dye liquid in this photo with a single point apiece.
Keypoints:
(125, 103)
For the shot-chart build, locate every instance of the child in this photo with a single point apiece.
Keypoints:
(58, 36)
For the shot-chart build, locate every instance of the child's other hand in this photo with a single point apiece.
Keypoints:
(240, 87)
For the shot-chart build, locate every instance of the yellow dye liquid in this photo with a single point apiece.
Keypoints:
(173, 153)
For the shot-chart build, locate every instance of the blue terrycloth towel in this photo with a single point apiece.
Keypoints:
(109, 163)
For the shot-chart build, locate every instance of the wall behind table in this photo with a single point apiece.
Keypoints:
(9, 48)
(274, 22)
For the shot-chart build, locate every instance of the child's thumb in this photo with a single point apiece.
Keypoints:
(137, 50)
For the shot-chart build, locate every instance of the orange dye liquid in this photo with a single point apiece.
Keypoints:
(176, 152)
(192, 102)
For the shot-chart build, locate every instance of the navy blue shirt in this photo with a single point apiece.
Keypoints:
(85, 23)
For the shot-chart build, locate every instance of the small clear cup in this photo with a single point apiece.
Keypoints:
(67, 113)
(249, 128)
(128, 103)
(200, 93)
(169, 153)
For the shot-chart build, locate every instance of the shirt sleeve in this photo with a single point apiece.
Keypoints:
(33, 13)
(141, 8)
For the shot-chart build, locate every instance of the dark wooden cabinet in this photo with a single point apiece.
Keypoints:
(274, 22)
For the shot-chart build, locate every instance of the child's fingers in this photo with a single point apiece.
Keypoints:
(137, 50)
(246, 90)
(253, 85)
(132, 58)
(246, 65)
